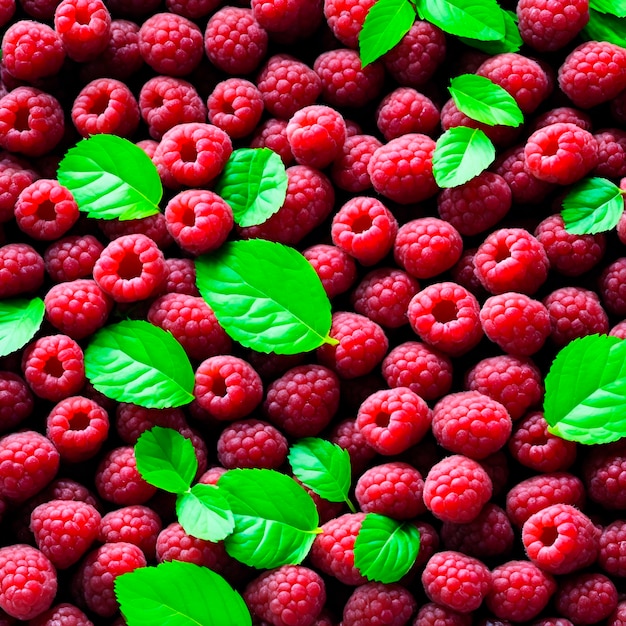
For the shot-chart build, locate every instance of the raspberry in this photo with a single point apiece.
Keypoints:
(619, 330)
(406, 110)
(575, 312)
(604, 475)
(31, 50)
(131, 420)
(365, 228)
(511, 259)
(457, 581)
(291, 595)
(54, 367)
(402, 169)
(138, 524)
(562, 114)
(251, 443)
(21, 269)
(618, 617)
(234, 41)
(612, 289)
(299, 20)
(98, 571)
(180, 276)
(134, 8)
(72, 257)
(153, 226)
(275, 16)
(270, 366)
(235, 105)
(16, 401)
(31, 121)
(611, 153)
(446, 317)
(433, 614)
(462, 272)
(7, 10)
(362, 345)
(62, 614)
(345, 19)
(375, 601)
(193, 9)
(335, 267)
(332, 551)
(272, 134)
(302, 401)
(349, 170)
(28, 581)
(130, 268)
(456, 489)
(586, 598)
(84, 27)
(346, 435)
(384, 295)
(612, 548)
(171, 44)
(593, 73)
(519, 591)
(15, 175)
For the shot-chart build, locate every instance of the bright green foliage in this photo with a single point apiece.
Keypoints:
(512, 41)
(110, 177)
(20, 319)
(612, 7)
(204, 512)
(135, 361)
(607, 27)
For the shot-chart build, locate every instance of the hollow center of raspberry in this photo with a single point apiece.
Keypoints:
(21, 120)
(548, 535)
(54, 367)
(82, 15)
(188, 218)
(445, 311)
(130, 267)
(502, 253)
(79, 421)
(551, 146)
(99, 105)
(46, 211)
(382, 419)
(361, 224)
(218, 387)
(188, 153)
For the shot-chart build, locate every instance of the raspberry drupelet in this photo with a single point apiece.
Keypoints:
(335, 267)
(235, 105)
(373, 600)
(84, 27)
(21, 270)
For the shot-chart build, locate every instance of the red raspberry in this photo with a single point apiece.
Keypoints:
(301, 19)
(54, 367)
(446, 316)
(15, 175)
(72, 257)
(139, 525)
(345, 19)
(276, 16)
(270, 366)
(593, 73)
(604, 475)
(193, 9)
(84, 27)
(272, 134)
(7, 10)
(586, 598)
(462, 272)
(375, 601)
(519, 591)
(180, 276)
(562, 114)
(612, 288)
(612, 548)
(511, 259)
(21, 270)
(335, 267)
(153, 226)
(62, 614)
(457, 581)
(235, 105)
(362, 345)
(28, 581)
(131, 420)
(611, 153)
(456, 489)
(433, 614)
(406, 110)
(618, 617)
(16, 401)
(346, 435)
(291, 595)
(349, 170)
(402, 169)
(171, 44)
(619, 330)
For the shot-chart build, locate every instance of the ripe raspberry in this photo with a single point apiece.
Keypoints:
(456, 489)
(457, 581)
(62, 614)
(193, 9)
(15, 175)
(511, 259)
(138, 524)
(272, 134)
(16, 401)
(446, 317)
(21, 270)
(612, 288)
(291, 595)
(611, 153)
(153, 226)
(171, 44)
(28, 581)
(618, 330)
(180, 276)
(433, 614)
(290, 22)
(7, 10)
(612, 548)
(131, 420)
(349, 170)
(374, 601)
(345, 19)
(593, 73)
(346, 435)
(406, 110)
(519, 591)
(402, 169)
(84, 27)
(71, 257)
(335, 267)
(462, 272)
(235, 105)
(604, 475)
(270, 366)
(586, 598)
(362, 345)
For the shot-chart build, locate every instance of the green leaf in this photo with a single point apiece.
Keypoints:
(592, 206)
(204, 512)
(482, 100)
(110, 177)
(585, 399)
(276, 520)
(460, 154)
(605, 28)
(612, 7)
(476, 19)
(266, 296)
(512, 41)
(385, 549)
(19, 321)
(384, 26)
(166, 459)
(322, 466)
(175, 593)
(254, 184)
(134, 361)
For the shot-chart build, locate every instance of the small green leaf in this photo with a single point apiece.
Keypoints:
(384, 26)
(460, 154)
(605, 28)
(323, 467)
(204, 512)
(175, 593)
(110, 177)
(275, 518)
(166, 459)
(254, 184)
(612, 7)
(482, 100)
(585, 399)
(266, 296)
(476, 19)
(512, 41)
(385, 549)
(19, 321)
(592, 206)
(134, 361)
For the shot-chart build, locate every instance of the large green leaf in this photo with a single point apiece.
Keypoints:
(19, 321)
(204, 512)
(612, 7)
(607, 27)
(512, 41)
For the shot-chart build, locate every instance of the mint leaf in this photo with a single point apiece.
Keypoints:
(266, 296)
(612, 7)
(134, 361)
(166, 459)
(482, 100)
(322, 466)
(179, 594)
(512, 41)
(20, 319)
(204, 512)
(384, 26)
(385, 549)
(585, 399)
(592, 206)
(110, 177)
(254, 184)
(460, 154)
(605, 28)
(476, 19)
(275, 518)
